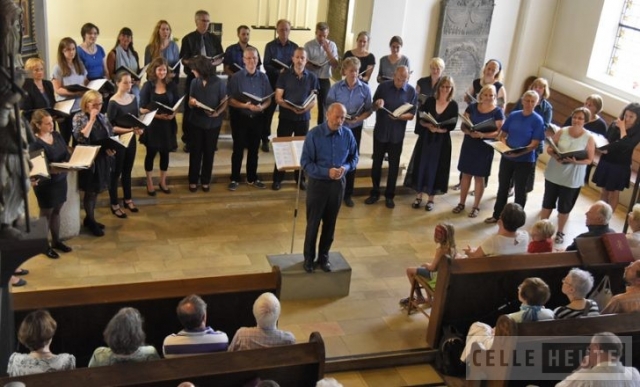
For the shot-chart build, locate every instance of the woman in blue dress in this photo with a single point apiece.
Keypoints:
(91, 54)
(428, 170)
(476, 156)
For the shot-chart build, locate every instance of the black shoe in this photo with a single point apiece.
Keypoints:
(206, 188)
(21, 282)
(265, 146)
(308, 265)
(119, 213)
(389, 203)
(348, 201)
(303, 186)
(130, 206)
(325, 266)
(151, 193)
(100, 225)
(62, 247)
(276, 186)
(94, 227)
(51, 253)
(21, 272)
(165, 190)
(371, 199)
(193, 187)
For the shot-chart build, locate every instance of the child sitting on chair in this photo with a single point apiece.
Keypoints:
(541, 233)
(444, 236)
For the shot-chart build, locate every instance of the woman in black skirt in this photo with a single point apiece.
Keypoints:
(51, 193)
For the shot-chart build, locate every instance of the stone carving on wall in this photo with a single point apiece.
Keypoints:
(463, 32)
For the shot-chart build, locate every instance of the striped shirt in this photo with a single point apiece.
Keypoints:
(590, 309)
(186, 342)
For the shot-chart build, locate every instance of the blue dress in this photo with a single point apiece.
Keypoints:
(94, 63)
(476, 156)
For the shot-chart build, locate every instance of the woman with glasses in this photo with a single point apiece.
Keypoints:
(576, 285)
(428, 170)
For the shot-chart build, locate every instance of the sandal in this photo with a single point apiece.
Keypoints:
(559, 238)
(429, 206)
(458, 209)
(491, 220)
(416, 203)
(474, 212)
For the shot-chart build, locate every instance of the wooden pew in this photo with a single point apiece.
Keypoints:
(298, 365)
(482, 289)
(563, 105)
(82, 313)
(552, 331)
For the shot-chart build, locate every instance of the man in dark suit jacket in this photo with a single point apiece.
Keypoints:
(198, 42)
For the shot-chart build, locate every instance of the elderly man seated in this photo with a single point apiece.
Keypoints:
(598, 218)
(629, 301)
(266, 310)
(196, 337)
(508, 239)
(602, 365)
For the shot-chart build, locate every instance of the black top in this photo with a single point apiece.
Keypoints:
(425, 86)
(477, 87)
(191, 44)
(54, 153)
(369, 60)
(35, 99)
(620, 150)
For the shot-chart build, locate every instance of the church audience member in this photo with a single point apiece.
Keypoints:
(125, 339)
(602, 367)
(564, 176)
(355, 95)
(200, 42)
(444, 236)
(266, 310)
(36, 333)
(426, 86)
(597, 220)
(294, 85)
(428, 170)
(523, 128)
(51, 193)
(634, 238)
(508, 239)
(476, 157)
(613, 172)
(629, 301)
(158, 137)
(40, 91)
(576, 285)
(124, 55)
(247, 117)
(67, 71)
(162, 46)
(328, 382)
(121, 104)
(281, 49)
(533, 293)
(196, 337)
(90, 127)
(323, 58)
(204, 126)
(389, 63)
(540, 235)
(388, 132)
(233, 57)
(91, 54)
(366, 58)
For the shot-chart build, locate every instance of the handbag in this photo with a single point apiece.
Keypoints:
(602, 293)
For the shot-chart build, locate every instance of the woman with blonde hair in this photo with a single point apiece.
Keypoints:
(40, 92)
(162, 46)
(492, 74)
(426, 86)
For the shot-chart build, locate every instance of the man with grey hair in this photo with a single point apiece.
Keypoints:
(266, 310)
(598, 217)
(602, 366)
(196, 337)
(629, 301)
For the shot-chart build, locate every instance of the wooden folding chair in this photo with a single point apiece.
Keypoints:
(420, 283)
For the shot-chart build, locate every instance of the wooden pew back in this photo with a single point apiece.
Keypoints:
(482, 289)
(563, 105)
(83, 313)
(298, 365)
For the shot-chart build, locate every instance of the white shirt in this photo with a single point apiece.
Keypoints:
(601, 375)
(502, 245)
(317, 55)
(634, 244)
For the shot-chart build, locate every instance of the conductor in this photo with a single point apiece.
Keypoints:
(329, 152)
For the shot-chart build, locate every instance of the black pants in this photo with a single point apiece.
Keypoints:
(519, 172)
(123, 165)
(394, 151)
(150, 157)
(324, 198)
(287, 128)
(268, 120)
(351, 176)
(246, 132)
(186, 111)
(202, 147)
(325, 85)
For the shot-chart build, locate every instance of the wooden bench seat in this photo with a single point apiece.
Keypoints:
(82, 313)
(298, 365)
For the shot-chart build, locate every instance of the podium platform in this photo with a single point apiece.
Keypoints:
(297, 284)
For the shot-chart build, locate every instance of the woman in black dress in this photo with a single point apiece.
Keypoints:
(51, 193)
(158, 136)
(428, 170)
(40, 93)
(426, 86)
(121, 104)
(90, 127)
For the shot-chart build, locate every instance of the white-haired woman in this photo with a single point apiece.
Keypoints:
(576, 285)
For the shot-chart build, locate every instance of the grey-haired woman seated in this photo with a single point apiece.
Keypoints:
(576, 285)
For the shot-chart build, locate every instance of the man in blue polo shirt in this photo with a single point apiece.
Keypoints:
(294, 85)
(247, 118)
(523, 128)
(329, 153)
(388, 132)
(233, 61)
